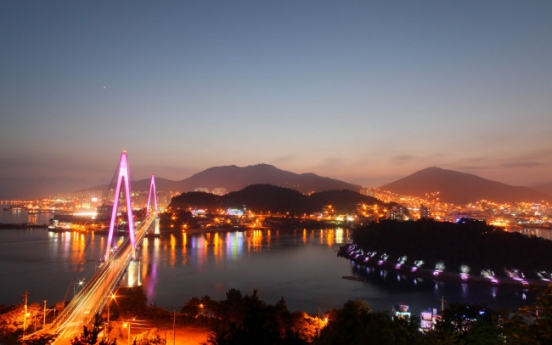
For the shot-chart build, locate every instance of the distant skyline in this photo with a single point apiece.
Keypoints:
(361, 91)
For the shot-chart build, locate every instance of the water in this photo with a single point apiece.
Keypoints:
(21, 216)
(300, 265)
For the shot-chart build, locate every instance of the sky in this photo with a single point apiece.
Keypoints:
(362, 91)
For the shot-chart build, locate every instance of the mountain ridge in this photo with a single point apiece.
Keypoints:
(461, 188)
(545, 187)
(234, 178)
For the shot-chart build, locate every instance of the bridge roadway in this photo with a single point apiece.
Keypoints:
(93, 296)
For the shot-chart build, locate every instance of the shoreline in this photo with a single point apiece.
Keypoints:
(348, 253)
(23, 226)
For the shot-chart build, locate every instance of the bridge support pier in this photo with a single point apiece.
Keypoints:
(156, 231)
(132, 277)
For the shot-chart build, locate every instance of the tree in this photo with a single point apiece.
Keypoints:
(130, 300)
(90, 336)
(249, 320)
(42, 340)
(150, 337)
(355, 323)
(463, 323)
(531, 324)
(231, 309)
(191, 308)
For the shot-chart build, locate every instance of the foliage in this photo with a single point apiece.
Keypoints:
(150, 337)
(355, 323)
(472, 243)
(191, 308)
(41, 340)
(249, 320)
(268, 198)
(246, 319)
(90, 336)
(157, 313)
(531, 324)
(463, 323)
(131, 301)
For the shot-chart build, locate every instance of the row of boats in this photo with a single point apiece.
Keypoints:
(354, 254)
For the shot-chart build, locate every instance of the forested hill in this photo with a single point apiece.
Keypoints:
(472, 243)
(262, 198)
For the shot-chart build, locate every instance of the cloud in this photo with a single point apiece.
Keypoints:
(171, 172)
(284, 159)
(402, 159)
(331, 162)
(327, 167)
(521, 165)
(471, 168)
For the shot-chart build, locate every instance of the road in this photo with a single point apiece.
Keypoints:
(93, 296)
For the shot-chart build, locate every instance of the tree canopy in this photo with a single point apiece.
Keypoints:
(264, 198)
(469, 242)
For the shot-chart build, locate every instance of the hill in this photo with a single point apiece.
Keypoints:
(471, 242)
(234, 178)
(461, 188)
(263, 198)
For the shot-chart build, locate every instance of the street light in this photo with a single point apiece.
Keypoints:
(127, 324)
(109, 306)
(80, 283)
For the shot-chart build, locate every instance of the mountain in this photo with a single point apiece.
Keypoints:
(544, 187)
(234, 178)
(461, 188)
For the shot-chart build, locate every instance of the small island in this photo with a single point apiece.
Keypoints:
(469, 250)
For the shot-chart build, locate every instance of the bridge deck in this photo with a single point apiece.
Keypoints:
(93, 296)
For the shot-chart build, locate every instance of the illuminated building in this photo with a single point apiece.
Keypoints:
(219, 191)
(424, 211)
(396, 213)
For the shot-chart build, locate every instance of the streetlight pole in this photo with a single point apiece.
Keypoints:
(26, 295)
(109, 306)
(44, 323)
(318, 323)
(174, 324)
(127, 324)
(128, 337)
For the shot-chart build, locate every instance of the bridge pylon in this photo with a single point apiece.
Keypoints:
(123, 175)
(153, 195)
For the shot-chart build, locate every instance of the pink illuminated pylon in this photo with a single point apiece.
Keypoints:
(154, 193)
(123, 173)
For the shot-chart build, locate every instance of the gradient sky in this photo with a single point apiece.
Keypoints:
(362, 91)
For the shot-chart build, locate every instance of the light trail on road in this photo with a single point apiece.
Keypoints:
(93, 296)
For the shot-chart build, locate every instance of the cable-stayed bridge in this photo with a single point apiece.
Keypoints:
(118, 263)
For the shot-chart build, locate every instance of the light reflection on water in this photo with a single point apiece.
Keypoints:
(277, 262)
(300, 265)
(539, 232)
